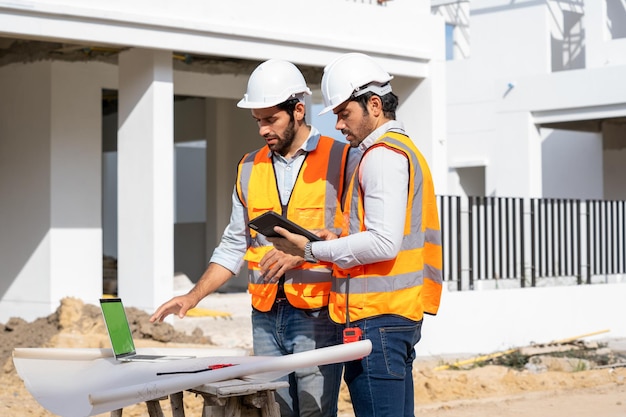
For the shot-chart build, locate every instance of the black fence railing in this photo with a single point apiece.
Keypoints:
(557, 239)
(516, 242)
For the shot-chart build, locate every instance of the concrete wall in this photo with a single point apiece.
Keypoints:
(605, 37)
(481, 322)
(499, 96)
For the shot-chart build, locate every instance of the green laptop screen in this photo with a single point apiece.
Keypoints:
(117, 325)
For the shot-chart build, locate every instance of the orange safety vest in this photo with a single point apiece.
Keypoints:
(313, 204)
(410, 284)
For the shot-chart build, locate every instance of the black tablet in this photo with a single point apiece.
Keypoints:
(265, 223)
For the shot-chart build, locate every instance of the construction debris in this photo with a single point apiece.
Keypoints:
(570, 355)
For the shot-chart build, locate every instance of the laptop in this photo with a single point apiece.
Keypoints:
(121, 337)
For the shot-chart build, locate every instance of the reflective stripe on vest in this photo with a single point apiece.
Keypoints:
(313, 204)
(409, 284)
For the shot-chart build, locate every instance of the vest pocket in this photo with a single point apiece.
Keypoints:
(309, 217)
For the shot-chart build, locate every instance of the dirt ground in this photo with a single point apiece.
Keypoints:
(538, 385)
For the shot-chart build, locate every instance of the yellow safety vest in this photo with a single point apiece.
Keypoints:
(410, 284)
(313, 205)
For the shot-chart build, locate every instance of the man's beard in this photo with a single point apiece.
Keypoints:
(362, 130)
(284, 143)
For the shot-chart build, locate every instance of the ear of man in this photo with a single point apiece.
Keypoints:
(375, 106)
(299, 111)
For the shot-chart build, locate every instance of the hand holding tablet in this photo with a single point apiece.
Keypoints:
(265, 223)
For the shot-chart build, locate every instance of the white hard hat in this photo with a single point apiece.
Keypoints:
(273, 82)
(352, 74)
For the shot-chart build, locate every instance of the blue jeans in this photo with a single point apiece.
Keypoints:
(381, 384)
(285, 330)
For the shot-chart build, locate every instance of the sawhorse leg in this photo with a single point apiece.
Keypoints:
(155, 410)
(178, 407)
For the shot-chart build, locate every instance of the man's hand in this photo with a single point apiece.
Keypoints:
(177, 305)
(327, 234)
(290, 243)
(275, 263)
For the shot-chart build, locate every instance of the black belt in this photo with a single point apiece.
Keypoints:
(280, 293)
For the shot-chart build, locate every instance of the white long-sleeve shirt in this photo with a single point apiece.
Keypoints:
(384, 178)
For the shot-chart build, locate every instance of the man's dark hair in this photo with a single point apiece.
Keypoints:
(289, 106)
(389, 100)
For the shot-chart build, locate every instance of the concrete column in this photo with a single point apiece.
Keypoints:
(213, 232)
(50, 152)
(145, 178)
(231, 132)
(25, 191)
(75, 181)
(422, 110)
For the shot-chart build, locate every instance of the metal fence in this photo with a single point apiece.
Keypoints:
(499, 242)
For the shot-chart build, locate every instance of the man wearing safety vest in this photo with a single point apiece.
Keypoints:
(299, 174)
(387, 271)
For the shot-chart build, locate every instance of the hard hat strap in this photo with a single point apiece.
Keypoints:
(374, 87)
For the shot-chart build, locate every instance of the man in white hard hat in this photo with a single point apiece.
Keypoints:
(299, 174)
(387, 271)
